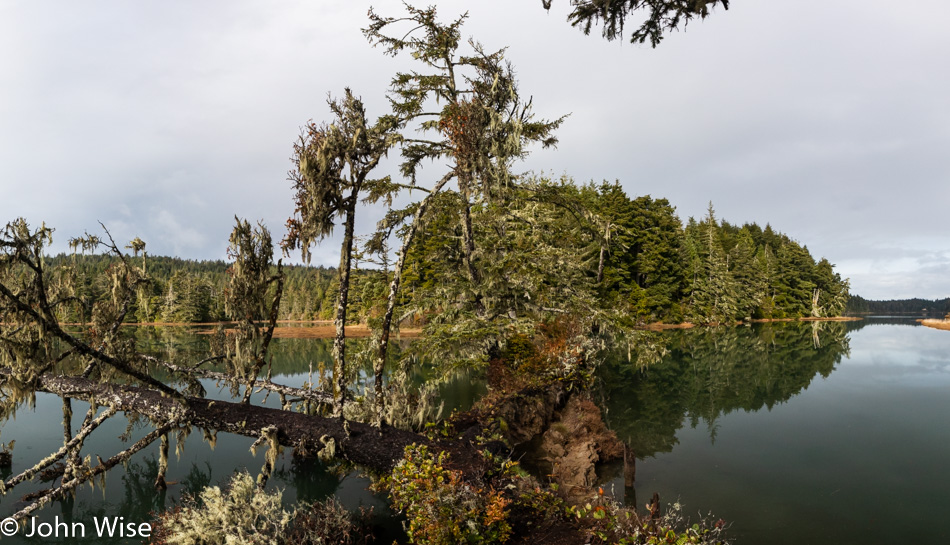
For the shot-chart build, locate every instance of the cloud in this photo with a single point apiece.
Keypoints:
(827, 120)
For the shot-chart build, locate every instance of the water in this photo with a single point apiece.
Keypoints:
(796, 433)
(129, 492)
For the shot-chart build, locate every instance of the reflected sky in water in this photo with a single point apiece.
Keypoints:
(855, 455)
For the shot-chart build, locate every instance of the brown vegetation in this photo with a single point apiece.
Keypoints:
(326, 332)
(810, 319)
(936, 324)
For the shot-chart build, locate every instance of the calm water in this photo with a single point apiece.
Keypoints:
(795, 433)
(129, 493)
(837, 434)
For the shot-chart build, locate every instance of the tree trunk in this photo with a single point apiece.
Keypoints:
(468, 240)
(308, 434)
(383, 348)
(339, 343)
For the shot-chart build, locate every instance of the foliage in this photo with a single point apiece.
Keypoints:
(915, 307)
(242, 514)
(443, 509)
(329, 523)
(333, 164)
(245, 301)
(662, 16)
(610, 522)
(748, 272)
(532, 265)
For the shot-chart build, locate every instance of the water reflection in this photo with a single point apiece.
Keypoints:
(129, 491)
(710, 372)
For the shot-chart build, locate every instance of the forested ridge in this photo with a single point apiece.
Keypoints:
(915, 307)
(653, 268)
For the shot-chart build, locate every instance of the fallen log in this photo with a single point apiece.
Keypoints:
(377, 449)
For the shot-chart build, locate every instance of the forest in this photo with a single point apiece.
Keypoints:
(655, 269)
(937, 308)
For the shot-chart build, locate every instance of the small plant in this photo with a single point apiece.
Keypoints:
(329, 523)
(240, 514)
(441, 508)
(612, 523)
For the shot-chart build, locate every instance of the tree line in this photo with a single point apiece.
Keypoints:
(890, 307)
(646, 263)
(190, 291)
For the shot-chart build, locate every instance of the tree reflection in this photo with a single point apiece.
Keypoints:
(712, 371)
(310, 478)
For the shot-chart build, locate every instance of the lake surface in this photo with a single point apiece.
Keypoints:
(794, 433)
(129, 492)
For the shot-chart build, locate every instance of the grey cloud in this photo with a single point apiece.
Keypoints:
(164, 120)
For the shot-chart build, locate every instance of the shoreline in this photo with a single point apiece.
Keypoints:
(659, 326)
(935, 323)
(324, 329)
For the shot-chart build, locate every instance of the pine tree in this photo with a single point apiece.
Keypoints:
(333, 163)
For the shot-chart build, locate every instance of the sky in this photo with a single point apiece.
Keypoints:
(165, 119)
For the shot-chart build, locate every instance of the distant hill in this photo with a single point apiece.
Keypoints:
(898, 307)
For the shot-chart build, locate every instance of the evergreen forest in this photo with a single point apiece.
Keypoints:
(900, 307)
(655, 268)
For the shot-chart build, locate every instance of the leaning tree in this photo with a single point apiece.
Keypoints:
(462, 106)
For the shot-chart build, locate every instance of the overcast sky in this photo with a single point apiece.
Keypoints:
(164, 119)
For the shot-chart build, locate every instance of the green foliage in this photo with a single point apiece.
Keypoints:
(466, 104)
(245, 301)
(441, 508)
(916, 307)
(532, 266)
(750, 272)
(308, 291)
(332, 163)
(611, 523)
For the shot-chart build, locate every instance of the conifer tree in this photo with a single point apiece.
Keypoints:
(466, 106)
(467, 109)
(332, 167)
(747, 275)
(245, 301)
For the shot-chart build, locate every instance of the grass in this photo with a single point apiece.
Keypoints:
(936, 324)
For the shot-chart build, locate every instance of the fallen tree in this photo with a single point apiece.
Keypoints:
(104, 368)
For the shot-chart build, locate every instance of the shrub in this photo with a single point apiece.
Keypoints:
(243, 514)
(441, 508)
(328, 522)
